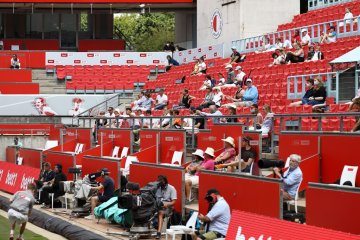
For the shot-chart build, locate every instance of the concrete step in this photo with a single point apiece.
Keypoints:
(48, 83)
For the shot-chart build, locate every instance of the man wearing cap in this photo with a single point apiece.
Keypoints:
(251, 94)
(108, 187)
(230, 76)
(235, 56)
(305, 38)
(291, 178)
(20, 209)
(241, 76)
(229, 153)
(200, 162)
(53, 186)
(218, 218)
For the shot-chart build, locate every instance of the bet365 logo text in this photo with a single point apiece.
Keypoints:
(240, 236)
(25, 182)
(11, 178)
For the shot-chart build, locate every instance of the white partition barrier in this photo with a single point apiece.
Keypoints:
(186, 56)
(106, 58)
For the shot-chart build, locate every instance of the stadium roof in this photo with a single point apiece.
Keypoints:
(349, 57)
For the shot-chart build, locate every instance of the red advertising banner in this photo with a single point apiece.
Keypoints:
(171, 141)
(148, 138)
(304, 145)
(244, 225)
(15, 178)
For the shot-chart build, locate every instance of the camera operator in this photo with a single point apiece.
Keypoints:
(166, 193)
(218, 217)
(291, 178)
(108, 185)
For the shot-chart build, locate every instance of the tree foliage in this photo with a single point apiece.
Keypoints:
(145, 32)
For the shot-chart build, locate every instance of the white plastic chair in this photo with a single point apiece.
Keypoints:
(115, 152)
(20, 160)
(349, 174)
(177, 158)
(287, 163)
(124, 152)
(50, 144)
(295, 201)
(128, 162)
(79, 148)
(181, 229)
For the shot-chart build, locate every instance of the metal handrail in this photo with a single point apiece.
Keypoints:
(105, 102)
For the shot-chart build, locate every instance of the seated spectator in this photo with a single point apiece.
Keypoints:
(355, 107)
(305, 39)
(250, 96)
(207, 83)
(348, 17)
(310, 54)
(230, 81)
(196, 68)
(166, 193)
(237, 99)
(176, 121)
(229, 153)
(146, 104)
(199, 162)
(308, 94)
(254, 109)
(329, 37)
(189, 122)
(107, 185)
(164, 122)
(202, 66)
(319, 93)
(139, 99)
(279, 58)
(53, 187)
(199, 122)
(218, 96)
(185, 100)
(167, 47)
(46, 176)
(296, 37)
(213, 112)
(117, 121)
(247, 158)
(221, 79)
(15, 62)
(171, 62)
(266, 46)
(232, 112)
(208, 100)
(318, 55)
(146, 122)
(235, 56)
(161, 100)
(100, 122)
(217, 218)
(241, 76)
(291, 177)
(267, 125)
(297, 56)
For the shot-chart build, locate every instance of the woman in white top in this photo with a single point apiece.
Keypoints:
(348, 16)
(207, 82)
(218, 96)
(202, 66)
(221, 79)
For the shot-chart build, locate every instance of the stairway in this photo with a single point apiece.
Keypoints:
(48, 83)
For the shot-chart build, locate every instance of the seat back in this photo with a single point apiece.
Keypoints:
(50, 144)
(79, 148)
(115, 152)
(177, 158)
(297, 191)
(19, 160)
(124, 152)
(128, 162)
(191, 223)
(287, 163)
(349, 174)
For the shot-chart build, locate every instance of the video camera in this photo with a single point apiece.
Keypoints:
(266, 163)
(94, 176)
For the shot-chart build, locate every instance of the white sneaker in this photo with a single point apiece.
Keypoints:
(90, 217)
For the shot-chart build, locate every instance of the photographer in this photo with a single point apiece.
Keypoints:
(108, 186)
(166, 193)
(217, 219)
(291, 178)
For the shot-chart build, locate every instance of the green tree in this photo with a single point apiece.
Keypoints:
(145, 32)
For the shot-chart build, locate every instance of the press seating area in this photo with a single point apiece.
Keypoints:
(102, 79)
(322, 15)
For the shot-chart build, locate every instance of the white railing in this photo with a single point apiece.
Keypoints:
(317, 4)
(343, 28)
(330, 79)
(209, 52)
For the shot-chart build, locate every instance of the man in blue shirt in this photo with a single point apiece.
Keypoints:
(291, 178)
(218, 218)
(250, 96)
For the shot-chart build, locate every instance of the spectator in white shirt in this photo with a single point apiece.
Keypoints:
(207, 83)
(202, 66)
(305, 38)
(221, 79)
(161, 100)
(348, 16)
(241, 76)
(15, 62)
(329, 37)
(218, 96)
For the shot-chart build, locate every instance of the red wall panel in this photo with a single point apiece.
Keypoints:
(333, 208)
(25, 128)
(147, 155)
(82, 135)
(32, 44)
(31, 157)
(101, 45)
(145, 173)
(120, 137)
(171, 141)
(304, 145)
(19, 88)
(10, 154)
(242, 193)
(310, 168)
(65, 159)
(18, 75)
(148, 138)
(28, 59)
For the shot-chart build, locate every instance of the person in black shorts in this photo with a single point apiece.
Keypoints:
(108, 186)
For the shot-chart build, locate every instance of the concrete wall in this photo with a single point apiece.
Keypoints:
(243, 18)
(185, 29)
(27, 141)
